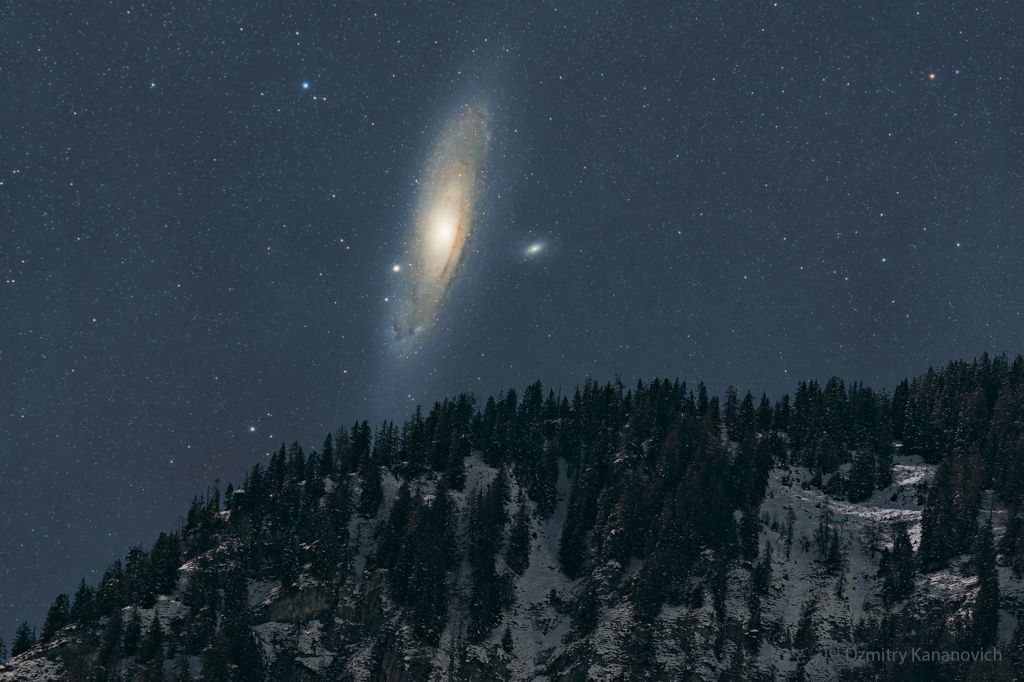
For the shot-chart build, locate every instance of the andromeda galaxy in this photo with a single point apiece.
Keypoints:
(443, 222)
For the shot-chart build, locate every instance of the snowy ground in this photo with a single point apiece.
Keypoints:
(683, 637)
(534, 624)
(798, 578)
(31, 670)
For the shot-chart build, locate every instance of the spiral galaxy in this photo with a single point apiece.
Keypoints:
(443, 224)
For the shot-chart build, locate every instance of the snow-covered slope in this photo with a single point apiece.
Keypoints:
(332, 630)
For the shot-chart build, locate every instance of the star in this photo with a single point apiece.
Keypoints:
(305, 85)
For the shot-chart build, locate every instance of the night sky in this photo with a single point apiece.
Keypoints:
(202, 204)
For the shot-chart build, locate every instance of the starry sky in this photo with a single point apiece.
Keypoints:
(202, 204)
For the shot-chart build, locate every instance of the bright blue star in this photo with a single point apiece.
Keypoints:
(305, 85)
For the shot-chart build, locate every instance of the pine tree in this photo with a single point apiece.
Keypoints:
(871, 536)
(359, 445)
(897, 565)
(764, 414)
(488, 590)
(392, 530)
(164, 559)
(841, 579)
(719, 584)
(455, 471)
(861, 482)
(746, 419)
(56, 618)
(296, 463)
(985, 620)
(133, 633)
(152, 646)
(290, 564)
(330, 550)
(229, 497)
(805, 638)
(429, 550)
(761, 578)
(236, 638)
(902, 558)
(110, 648)
(822, 534)
(938, 542)
(649, 587)
(327, 464)
(702, 399)
(1012, 543)
(750, 529)
(572, 545)
(730, 411)
(373, 488)
(82, 608)
(544, 486)
(835, 558)
(24, 639)
(517, 554)
(884, 465)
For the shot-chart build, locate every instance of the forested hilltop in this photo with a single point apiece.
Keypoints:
(618, 533)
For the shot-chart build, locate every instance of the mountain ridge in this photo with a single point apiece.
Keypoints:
(650, 533)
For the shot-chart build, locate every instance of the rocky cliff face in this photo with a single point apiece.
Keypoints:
(353, 630)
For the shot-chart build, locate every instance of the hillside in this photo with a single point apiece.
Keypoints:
(615, 534)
